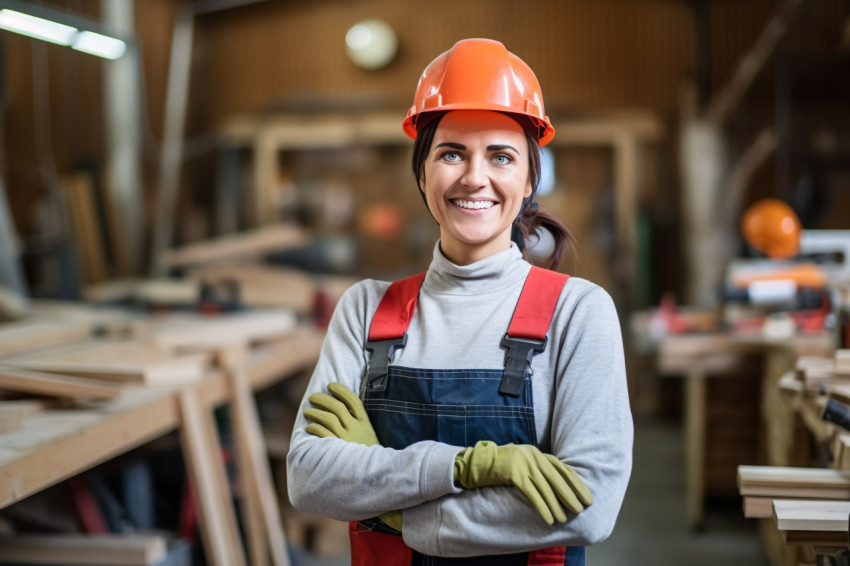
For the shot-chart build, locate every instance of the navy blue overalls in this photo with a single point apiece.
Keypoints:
(407, 405)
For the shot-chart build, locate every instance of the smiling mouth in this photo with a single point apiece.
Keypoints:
(473, 204)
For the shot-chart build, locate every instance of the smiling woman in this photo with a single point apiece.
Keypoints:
(475, 181)
(492, 425)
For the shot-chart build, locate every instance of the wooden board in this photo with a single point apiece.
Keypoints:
(116, 360)
(202, 452)
(112, 550)
(237, 248)
(14, 413)
(811, 515)
(26, 381)
(778, 482)
(263, 286)
(24, 335)
(758, 507)
(842, 362)
(261, 497)
(86, 225)
(200, 332)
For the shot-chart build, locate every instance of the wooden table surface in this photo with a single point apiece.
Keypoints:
(60, 443)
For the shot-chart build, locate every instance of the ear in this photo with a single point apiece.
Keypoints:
(529, 190)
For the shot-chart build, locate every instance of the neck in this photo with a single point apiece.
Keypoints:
(463, 254)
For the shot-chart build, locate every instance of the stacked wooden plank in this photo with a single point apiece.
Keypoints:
(819, 374)
(121, 361)
(810, 506)
(54, 354)
(816, 523)
(761, 485)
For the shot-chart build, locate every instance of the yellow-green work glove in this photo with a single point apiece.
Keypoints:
(343, 416)
(550, 485)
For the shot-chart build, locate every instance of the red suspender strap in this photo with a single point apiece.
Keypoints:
(536, 304)
(526, 336)
(388, 329)
(395, 310)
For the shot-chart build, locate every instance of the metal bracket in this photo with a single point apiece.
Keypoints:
(382, 354)
(517, 360)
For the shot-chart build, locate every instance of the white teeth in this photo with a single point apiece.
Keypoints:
(474, 204)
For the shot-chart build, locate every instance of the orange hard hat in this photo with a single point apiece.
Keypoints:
(772, 227)
(479, 74)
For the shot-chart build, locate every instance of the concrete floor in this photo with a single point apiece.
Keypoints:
(652, 528)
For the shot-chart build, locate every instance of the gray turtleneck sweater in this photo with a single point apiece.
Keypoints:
(581, 410)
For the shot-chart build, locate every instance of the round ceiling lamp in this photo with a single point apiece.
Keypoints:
(371, 44)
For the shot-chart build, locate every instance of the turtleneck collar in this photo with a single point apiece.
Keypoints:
(491, 274)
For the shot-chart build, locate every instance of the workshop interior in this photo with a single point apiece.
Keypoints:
(189, 187)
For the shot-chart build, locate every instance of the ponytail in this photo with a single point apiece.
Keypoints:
(531, 220)
(529, 224)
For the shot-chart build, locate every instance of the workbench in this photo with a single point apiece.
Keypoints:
(795, 532)
(60, 443)
(697, 358)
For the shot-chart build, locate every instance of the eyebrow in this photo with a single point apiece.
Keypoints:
(494, 147)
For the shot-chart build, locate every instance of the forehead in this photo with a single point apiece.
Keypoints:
(483, 123)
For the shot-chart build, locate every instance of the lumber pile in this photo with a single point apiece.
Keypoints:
(820, 524)
(821, 373)
(761, 485)
(808, 507)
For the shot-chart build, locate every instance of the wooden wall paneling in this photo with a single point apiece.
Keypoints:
(294, 53)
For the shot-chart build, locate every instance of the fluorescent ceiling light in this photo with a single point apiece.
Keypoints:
(100, 45)
(38, 28)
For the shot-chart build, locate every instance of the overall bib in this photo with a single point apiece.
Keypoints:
(458, 407)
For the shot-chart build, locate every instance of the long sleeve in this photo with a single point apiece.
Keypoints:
(349, 481)
(590, 429)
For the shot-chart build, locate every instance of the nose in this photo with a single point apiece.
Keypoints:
(475, 174)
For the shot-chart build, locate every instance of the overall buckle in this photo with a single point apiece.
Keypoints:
(517, 360)
(382, 354)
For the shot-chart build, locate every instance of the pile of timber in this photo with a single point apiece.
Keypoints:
(61, 358)
(818, 374)
(761, 485)
(810, 506)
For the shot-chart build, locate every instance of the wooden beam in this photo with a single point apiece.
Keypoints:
(203, 458)
(727, 99)
(204, 333)
(255, 457)
(29, 334)
(40, 383)
(14, 413)
(238, 248)
(106, 550)
(811, 515)
(123, 361)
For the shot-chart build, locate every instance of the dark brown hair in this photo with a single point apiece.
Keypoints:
(531, 218)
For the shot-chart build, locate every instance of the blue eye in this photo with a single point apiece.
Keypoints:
(502, 159)
(450, 156)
